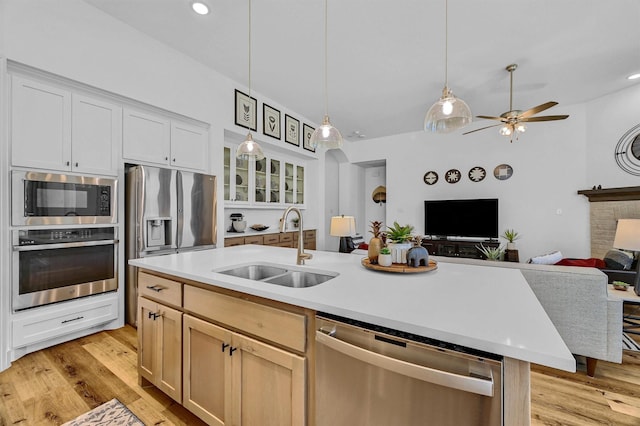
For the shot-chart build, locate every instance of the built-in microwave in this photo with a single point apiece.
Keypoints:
(39, 198)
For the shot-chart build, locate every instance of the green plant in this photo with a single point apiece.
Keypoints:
(375, 228)
(621, 283)
(398, 233)
(491, 253)
(510, 235)
(385, 250)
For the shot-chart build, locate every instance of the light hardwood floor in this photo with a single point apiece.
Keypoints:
(55, 385)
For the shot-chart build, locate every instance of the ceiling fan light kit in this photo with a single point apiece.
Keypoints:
(512, 121)
(448, 113)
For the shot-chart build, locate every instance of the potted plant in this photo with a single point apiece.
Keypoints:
(384, 258)
(295, 221)
(511, 236)
(375, 243)
(491, 253)
(400, 241)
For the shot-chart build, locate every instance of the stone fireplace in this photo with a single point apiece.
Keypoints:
(605, 208)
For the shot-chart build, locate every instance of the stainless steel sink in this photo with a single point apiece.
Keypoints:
(254, 272)
(280, 275)
(299, 279)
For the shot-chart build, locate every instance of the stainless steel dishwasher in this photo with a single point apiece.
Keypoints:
(369, 375)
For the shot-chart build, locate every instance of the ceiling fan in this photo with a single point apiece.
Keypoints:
(512, 121)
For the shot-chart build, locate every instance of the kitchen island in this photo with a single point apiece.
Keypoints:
(487, 309)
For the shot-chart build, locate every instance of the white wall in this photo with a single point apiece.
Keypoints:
(549, 168)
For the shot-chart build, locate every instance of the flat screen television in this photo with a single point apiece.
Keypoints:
(461, 218)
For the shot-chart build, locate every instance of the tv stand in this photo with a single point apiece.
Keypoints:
(457, 248)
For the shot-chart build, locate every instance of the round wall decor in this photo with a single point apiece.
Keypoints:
(503, 172)
(453, 176)
(430, 177)
(628, 151)
(477, 174)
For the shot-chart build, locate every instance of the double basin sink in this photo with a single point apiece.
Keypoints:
(279, 274)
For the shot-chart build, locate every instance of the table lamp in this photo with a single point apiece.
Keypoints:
(343, 227)
(628, 238)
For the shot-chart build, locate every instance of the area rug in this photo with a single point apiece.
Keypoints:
(108, 414)
(629, 344)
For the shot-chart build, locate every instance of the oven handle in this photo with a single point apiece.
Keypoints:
(426, 374)
(66, 245)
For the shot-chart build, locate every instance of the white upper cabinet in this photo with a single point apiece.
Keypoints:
(51, 128)
(156, 139)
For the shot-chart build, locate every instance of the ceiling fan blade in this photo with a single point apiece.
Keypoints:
(544, 118)
(537, 109)
(481, 128)
(488, 117)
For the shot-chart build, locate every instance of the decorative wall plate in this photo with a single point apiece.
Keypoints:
(453, 176)
(477, 174)
(503, 172)
(430, 177)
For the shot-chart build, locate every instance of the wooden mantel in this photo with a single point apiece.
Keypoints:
(612, 194)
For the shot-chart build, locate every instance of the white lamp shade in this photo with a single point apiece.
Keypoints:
(249, 149)
(342, 226)
(326, 136)
(628, 235)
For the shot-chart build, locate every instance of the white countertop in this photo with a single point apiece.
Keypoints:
(481, 307)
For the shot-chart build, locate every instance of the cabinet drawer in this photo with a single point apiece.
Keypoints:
(272, 239)
(40, 324)
(275, 325)
(159, 289)
(310, 235)
(255, 239)
(234, 241)
(286, 237)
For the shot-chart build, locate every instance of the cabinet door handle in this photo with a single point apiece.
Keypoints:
(72, 319)
(232, 350)
(76, 164)
(174, 160)
(154, 315)
(224, 346)
(68, 163)
(155, 288)
(166, 158)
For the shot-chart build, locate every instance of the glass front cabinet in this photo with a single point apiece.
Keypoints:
(264, 183)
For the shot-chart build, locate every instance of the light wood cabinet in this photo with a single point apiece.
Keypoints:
(53, 128)
(164, 141)
(160, 340)
(283, 239)
(230, 378)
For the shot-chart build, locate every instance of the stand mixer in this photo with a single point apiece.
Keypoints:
(238, 224)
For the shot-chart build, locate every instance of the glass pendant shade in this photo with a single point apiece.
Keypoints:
(249, 149)
(326, 136)
(447, 114)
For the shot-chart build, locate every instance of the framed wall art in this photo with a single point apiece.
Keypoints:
(270, 121)
(307, 131)
(246, 110)
(291, 130)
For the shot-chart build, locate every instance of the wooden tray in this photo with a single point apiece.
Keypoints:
(400, 267)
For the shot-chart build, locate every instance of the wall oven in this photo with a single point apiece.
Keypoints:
(55, 199)
(368, 375)
(52, 265)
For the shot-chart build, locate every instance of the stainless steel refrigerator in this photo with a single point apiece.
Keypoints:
(167, 211)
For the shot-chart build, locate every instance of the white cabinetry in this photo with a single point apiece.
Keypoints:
(266, 183)
(156, 139)
(53, 128)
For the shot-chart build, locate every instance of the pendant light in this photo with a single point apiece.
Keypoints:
(249, 148)
(448, 113)
(326, 135)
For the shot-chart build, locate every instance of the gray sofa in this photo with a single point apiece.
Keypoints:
(575, 298)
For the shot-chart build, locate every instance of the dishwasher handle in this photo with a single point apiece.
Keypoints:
(443, 378)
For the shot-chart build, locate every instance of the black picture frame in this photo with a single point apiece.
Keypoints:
(307, 131)
(246, 114)
(271, 121)
(291, 130)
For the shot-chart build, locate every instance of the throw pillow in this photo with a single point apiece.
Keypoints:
(547, 259)
(618, 259)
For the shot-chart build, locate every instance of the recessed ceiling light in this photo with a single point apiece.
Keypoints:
(200, 8)
(633, 76)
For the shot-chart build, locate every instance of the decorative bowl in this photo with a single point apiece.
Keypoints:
(259, 227)
(619, 285)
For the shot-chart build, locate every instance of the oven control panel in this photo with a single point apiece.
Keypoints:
(33, 237)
